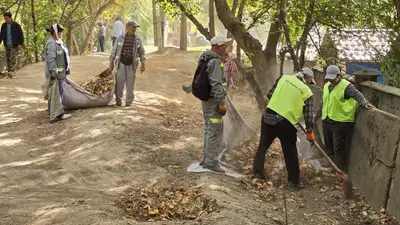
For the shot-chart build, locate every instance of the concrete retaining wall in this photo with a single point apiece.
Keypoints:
(384, 97)
(375, 146)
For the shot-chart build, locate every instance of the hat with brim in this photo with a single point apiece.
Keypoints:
(307, 71)
(218, 40)
(332, 72)
(132, 24)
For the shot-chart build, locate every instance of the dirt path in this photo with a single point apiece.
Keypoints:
(72, 172)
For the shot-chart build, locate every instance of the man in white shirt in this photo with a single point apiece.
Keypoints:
(118, 30)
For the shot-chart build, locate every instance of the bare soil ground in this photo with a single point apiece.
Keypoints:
(76, 172)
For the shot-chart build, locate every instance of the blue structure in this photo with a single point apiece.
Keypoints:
(354, 66)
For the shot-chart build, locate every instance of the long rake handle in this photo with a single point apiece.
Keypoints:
(323, 153)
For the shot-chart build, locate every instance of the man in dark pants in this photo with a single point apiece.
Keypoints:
(289, 97)
(13, 38)
(340, 101)
(101, 36)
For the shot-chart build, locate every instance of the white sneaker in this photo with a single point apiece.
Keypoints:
(65, 116)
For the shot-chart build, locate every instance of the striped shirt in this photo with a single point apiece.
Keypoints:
(129, 45)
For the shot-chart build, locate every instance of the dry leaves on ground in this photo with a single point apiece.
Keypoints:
(101, 83)
(326, 189)
(157, 203)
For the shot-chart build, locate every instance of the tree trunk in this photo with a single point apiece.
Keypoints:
(281, 61)
(69, 39)
(89, 34)
(34, 30)
(16, 12)
(159, 36)
(183, 39)
(162, 25)
(190, 16)
(211, 17)
(249, 76)
(307, 27)
(270, 50)
(234, 8)
(77, 50)
(240, 18)
(250, 45)
(155, 28)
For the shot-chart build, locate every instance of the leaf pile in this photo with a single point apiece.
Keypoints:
(155, 204)
(100, 84)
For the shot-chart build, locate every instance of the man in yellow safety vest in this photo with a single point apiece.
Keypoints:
(289, 98)
(340, 101)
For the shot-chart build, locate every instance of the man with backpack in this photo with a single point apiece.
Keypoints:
(207, 86)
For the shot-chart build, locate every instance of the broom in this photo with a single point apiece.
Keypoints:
(344, 179)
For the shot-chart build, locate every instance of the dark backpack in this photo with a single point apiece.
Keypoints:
(201, 87)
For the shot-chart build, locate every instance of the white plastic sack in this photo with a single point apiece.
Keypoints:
(76, 97)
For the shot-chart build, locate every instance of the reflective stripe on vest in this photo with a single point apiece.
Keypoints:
(335, 106)
(59, 52)
(224, 84)
(60, 69)
(288, 98)
(216, 120)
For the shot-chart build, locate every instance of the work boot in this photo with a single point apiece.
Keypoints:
(294, 186)
(201, 163)
(259, 176)
(217, 168)
(118, 104)
(187, 88)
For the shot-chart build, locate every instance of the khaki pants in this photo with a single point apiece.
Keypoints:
(213, 132)
(125, 75)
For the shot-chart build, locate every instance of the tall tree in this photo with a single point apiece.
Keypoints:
(183, 37)
(211, 17)
(95, 12)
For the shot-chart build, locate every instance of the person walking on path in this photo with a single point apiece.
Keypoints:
(12, 37)
(290, 97)
(340, 101)
(124, 54)
(57, 66)
(118, 30)
(208, 86)
(101, 36)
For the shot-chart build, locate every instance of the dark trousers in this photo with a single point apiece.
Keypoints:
(287, 134)
(337, 138)
(102, 39)
(113, 40)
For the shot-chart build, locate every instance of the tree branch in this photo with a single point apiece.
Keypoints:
(190, 16)
(257, 17)
(286, 31)
(274, 35)
(306, 30)
(65, 7)
(9, 7)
